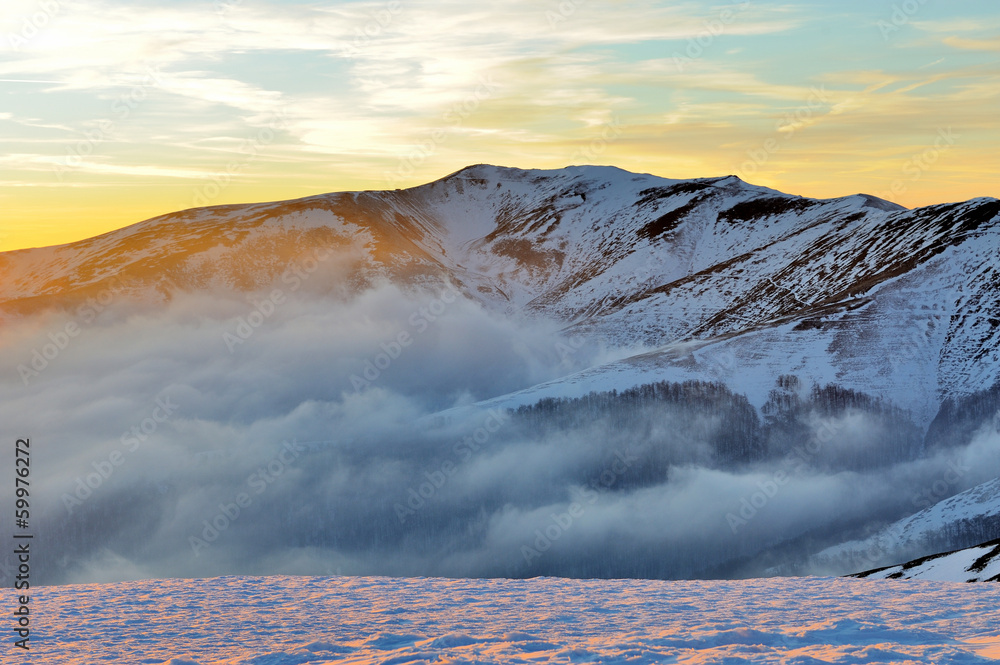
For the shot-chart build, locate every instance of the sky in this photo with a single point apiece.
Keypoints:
(115, 112)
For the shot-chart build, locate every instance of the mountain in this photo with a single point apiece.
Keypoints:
(714, 379)
(973, 564)
(961, 520)
(708, 276)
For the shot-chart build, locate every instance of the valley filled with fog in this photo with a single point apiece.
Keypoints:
(342, 436)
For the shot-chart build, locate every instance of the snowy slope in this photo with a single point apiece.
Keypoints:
(299, 620)
(974, 564)
(854, 290)
(959, 517)
(712, 279)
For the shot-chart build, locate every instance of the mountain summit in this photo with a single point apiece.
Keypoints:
(901, 304)
(714, 379)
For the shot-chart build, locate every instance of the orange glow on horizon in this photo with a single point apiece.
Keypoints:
(69, 215)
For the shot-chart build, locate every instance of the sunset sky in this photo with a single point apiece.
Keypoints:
(113, 112)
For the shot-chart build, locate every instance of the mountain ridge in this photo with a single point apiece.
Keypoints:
(635, 260)
(750, 318)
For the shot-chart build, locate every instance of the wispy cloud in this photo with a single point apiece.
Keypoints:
(362, 85)
(974, 44)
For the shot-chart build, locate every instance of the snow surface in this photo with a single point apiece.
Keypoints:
(973, 564)
(298, 620)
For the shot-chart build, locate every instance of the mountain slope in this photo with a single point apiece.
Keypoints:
(861, 333)
(855, 290)
(965, 518)
(974, 564)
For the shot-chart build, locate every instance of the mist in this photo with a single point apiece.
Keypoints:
(307, 431)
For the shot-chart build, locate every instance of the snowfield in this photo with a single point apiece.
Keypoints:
(298, 620)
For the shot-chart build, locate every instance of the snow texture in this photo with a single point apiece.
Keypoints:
(973, 564)
(900, 304)
(299, 620)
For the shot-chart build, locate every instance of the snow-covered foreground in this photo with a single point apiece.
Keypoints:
(285, 620)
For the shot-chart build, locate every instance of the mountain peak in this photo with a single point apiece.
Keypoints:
(635, 258)
(495, 172)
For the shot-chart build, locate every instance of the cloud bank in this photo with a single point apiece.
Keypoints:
(328, 433)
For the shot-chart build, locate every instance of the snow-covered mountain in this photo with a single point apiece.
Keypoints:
(721, 278)
(965, 518)
(852, 319)
(973, 564)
